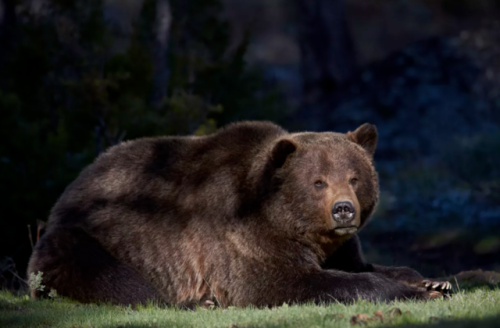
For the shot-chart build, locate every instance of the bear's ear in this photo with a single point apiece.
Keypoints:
(366, 136)
(281, 151)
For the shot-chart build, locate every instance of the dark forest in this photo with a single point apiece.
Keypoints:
(79, 76)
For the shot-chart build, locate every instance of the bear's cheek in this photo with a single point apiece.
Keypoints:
(319, 208)
(324, 215)
(312, 214)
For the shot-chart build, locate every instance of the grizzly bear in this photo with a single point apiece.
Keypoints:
(250, 215)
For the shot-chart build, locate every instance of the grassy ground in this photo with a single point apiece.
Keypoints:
(477, 308)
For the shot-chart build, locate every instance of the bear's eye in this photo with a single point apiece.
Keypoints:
(353, 181)
(319, 184)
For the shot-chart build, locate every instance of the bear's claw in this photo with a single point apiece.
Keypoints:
(442, 286)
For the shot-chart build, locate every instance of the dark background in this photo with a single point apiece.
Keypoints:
(77, 76)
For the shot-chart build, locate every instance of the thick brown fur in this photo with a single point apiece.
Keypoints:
(234, 217)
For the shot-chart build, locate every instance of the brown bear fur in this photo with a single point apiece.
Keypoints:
(243, 216)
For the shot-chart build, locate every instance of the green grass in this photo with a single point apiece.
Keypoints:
(477, 308)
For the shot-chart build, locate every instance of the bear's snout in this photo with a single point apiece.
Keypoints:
(343, 211)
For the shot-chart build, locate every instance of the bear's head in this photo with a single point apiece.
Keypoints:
(326, 184)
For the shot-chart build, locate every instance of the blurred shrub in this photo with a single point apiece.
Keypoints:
(476, 161)
(67, 94)
(459, 189)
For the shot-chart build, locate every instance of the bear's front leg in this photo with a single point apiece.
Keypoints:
(412, 278)
(325, 286)
(349, 258)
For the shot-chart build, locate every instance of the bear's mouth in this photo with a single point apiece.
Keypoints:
(342, 231)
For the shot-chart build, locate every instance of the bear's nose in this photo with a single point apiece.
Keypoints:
(343, 211)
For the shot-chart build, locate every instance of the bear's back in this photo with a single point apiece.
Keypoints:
(152, 179)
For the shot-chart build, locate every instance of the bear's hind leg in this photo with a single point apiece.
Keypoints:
(76, 266)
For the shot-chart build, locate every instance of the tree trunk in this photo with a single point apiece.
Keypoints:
(328, 56)
(163, 22)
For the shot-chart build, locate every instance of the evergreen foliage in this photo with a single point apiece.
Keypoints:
(67, 93)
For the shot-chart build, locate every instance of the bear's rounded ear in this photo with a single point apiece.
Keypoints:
(366, 136)
(281, 151)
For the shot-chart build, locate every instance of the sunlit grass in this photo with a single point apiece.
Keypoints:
(478, 308)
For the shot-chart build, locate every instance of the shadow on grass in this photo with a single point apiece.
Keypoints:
(21, 318)
(21, 313)
(61, 319)
(490, 322)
